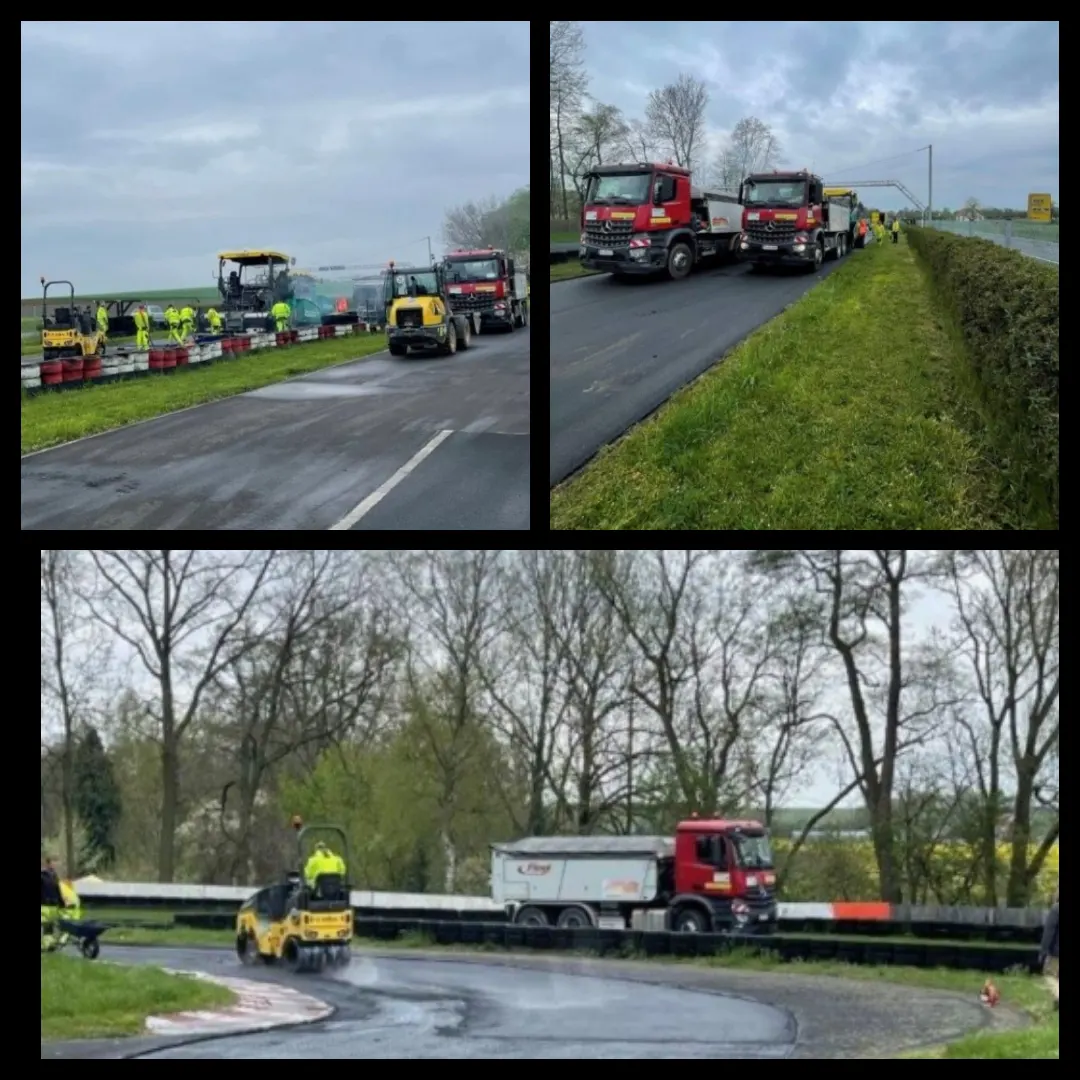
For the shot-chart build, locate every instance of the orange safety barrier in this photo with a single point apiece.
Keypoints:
(856, 911)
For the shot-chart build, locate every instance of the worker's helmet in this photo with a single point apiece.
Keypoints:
(321, 846)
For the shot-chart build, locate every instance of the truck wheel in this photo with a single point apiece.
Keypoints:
(397, 350)
(680, 261)
(451, 341)
(819, 257)
(690, 921)
(465, 337)
(532, 916)
(574, 919)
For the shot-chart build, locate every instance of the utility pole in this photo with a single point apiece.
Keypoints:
(930, 200)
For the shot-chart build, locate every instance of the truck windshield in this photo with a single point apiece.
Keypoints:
(630, 188)
(775, 193)
(473, 270)
(754, 852)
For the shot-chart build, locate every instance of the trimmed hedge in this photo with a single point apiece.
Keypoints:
(1006, 306)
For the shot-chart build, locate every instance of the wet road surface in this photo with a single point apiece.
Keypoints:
(397, 1004)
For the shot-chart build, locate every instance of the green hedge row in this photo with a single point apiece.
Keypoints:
(1006, 306)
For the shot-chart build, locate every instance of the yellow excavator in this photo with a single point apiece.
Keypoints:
(66, 331)
(304, 927)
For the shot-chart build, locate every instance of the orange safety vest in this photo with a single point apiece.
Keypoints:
(862, 227)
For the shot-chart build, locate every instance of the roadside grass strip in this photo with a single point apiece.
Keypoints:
(57, 417)
(853, 409)
(566, 270)
(86, 999)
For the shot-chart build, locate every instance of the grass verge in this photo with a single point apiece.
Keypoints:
(1018, 988)
(854, 409)
(52, 418)
(565, 237)
(83, 999)
(567, 270)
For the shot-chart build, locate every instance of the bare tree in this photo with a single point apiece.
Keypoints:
(319, 666)
(475, 225)
(568, 82)
(676, 118)
(454, 596)
(703, 662)
(1007, 605)
(861, 589)
(639, 142)
(598, 130)
(179, 612)
(751, 148)
(66, 676)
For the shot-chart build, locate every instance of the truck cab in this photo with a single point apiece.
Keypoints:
(485, 283)
(647, 219)
(788, 220)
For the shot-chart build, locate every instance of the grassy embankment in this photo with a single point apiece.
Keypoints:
(83, 999)
(51, 418)
(1017, 988)
(853, 409)
(565, 270)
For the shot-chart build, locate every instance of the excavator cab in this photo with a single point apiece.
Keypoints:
(304, 927)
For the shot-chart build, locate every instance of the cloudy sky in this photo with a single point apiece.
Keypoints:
(149, 147)
(854, 100)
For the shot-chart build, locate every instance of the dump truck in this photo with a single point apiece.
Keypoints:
(712, 876)
(788, 220)
(649, 219)
(485, 282)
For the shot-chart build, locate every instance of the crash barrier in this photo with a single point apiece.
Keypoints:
(1000, 925)
(131, 363)
(564, 252)
(662, 943)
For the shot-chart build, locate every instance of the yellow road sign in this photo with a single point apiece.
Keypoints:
(1038, 208)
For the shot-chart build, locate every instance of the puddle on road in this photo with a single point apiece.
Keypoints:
(305, 391)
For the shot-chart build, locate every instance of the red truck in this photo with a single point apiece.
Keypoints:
(715, 875)
(789, 220)
(485, 283)
(648, 219)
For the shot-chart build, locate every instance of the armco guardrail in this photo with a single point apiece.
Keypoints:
(1005, 925)
(662, 943)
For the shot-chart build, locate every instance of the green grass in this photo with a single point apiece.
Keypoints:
(566, 270)
(85, 999)
(565, 237)
(30, 322)
(854, 409)
(51, 418)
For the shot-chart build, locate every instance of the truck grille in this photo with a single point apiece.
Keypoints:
(472, 301)
(780, 233)
(410, 317)
(597, 235)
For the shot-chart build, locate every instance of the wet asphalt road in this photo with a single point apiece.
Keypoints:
(305, 453)
(620, 350)
(427, 1005)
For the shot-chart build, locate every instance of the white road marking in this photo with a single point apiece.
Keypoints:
(354, 515)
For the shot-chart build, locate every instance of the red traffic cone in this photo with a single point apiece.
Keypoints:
(989, 994)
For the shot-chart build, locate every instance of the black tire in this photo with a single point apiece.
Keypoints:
(532, 916)
(246, 950)
(690, 921)
(292, 956)
(396, 349)
(90, 948)
(466, 339)
(680, 260)
(450, 348)
(574, 919)
(819, 258)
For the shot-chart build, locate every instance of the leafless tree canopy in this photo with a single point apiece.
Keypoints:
(675, 115)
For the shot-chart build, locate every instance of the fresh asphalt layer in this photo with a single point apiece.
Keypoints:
(358, 446)
(394, 1004)
(620, 350)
